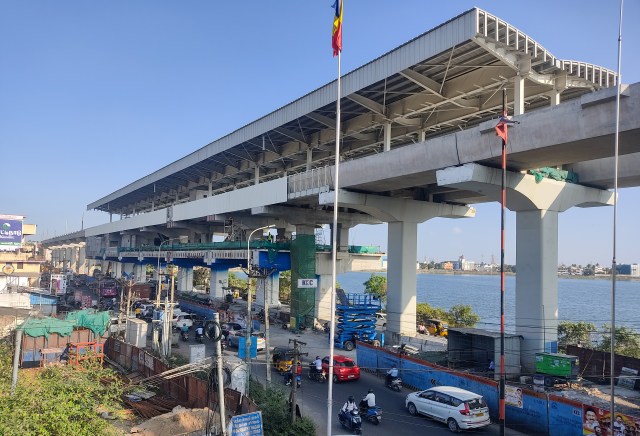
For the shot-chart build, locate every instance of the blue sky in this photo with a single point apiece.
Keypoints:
(94, 95)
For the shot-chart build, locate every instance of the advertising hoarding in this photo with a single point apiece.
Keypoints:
(58, 284)
(11, 232)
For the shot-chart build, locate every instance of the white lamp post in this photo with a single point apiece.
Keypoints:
(249, 298)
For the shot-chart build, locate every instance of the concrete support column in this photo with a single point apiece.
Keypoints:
(82, 260)
(323, 297)
(423, 135)
(401, 279)
(256, 174)
(554, 97)
(185, 279)
(518, 95)
(117, 270)
(387, 136)
(219, 280)
(140, 272)
(537, 283)
(343, 238)
(309, 158)
(73, 260)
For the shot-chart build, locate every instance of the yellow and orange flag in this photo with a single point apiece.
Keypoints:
(336, 34)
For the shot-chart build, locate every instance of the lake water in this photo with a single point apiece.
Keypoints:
(578, 299)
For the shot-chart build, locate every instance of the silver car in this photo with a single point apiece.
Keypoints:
(458, 408)
(234, 340)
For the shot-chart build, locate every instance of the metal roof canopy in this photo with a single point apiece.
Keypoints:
(446, 79)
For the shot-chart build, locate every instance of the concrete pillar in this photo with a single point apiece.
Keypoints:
(343, 238)
(139, 272)
(537, 283)
(73, 260)
(518, 95)
(117, 270)
(323, 297)
(268, 288)
(185, 279)
(387, 136)
(423, 135)
(82, 260)
(554, 97)
(256, 174)
(309, 158)
(401, 278)
(219, 280)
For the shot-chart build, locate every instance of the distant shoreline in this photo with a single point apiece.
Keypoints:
(619, 277)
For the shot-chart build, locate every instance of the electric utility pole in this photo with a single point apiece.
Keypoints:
(294, 374)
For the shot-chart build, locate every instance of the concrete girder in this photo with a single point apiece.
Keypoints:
(298, 216)
(523, 191)
(389, 209)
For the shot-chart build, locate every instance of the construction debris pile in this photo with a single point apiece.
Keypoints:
(179, 421)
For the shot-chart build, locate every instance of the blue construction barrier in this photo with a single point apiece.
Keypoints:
(539, 413)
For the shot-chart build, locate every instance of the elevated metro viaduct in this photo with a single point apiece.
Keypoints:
(417, 142)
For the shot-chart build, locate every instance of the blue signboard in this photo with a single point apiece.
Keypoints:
(249, 424)
(10, 231)
(242, 346)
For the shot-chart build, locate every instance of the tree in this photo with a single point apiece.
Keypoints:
(627, 341)
(461, 315)
(574, 333)
(201, 276)
(376, 286)
(285, 286)
(424, 312)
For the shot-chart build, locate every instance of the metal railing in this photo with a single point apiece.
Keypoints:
(310, 182)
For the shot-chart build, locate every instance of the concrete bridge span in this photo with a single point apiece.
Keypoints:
(417, 142)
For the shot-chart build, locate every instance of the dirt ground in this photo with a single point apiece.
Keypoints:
(177, 422)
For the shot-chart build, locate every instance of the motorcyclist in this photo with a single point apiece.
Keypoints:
(369, 400)
(199, 332)
(349, 406)
(392, 374)
(184, 331)
(317, 365)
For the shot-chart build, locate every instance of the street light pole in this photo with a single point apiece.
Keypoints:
(247, 348)
(156, 345)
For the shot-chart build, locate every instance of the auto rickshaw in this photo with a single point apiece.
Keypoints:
(283, 359)
(438, 327)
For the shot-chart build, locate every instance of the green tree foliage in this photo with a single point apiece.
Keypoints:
(285, 286)
(201, 276)
(237, 283)
(627, 341)
(276, 418)
(57, 400)
(377, 286)
(574, 333)
(461, 315)
(425, 312)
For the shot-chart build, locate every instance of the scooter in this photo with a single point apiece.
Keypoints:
(351, 421)
(394, 383)
(371, 414)
(319, 376)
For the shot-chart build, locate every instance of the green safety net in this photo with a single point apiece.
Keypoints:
(37, 327)
(555, 174)
(97, 322)
(364, 249)
(303, 266)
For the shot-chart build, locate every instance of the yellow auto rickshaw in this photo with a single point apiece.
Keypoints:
(438, 327)
(282, 359)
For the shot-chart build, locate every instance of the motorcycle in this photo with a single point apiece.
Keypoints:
(351, 421)
(319, 376)
(199, 338)
(287, 380)
(184, 336)
(371, 414)
(394, 383)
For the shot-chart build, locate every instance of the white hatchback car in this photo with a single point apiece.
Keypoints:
(458, 408)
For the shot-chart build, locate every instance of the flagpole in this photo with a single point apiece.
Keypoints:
(502, 281)
(615, 219)
(334, 242)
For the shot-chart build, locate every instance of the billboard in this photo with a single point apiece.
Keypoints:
(11, 232)
(58, 284)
